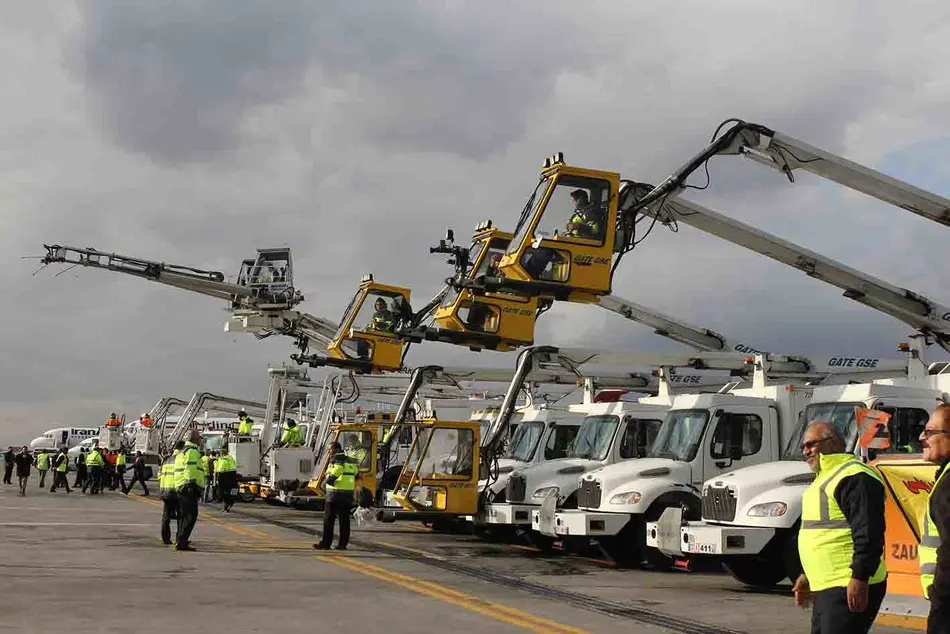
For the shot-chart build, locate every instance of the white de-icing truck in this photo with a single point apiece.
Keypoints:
(702, 436)
(751, 517)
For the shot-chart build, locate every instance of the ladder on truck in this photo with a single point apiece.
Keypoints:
(203, 400)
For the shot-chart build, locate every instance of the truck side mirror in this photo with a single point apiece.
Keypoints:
(735, 449)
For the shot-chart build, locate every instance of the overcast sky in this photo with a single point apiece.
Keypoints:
(355, 132)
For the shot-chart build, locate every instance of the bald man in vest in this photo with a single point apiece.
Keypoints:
(934, 550)
(841, 541)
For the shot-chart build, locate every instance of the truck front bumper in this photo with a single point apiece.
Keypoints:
(701, 538)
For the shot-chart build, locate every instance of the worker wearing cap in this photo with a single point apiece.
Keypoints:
(168, 493)
(340, 484)
(42, 465)
(95, 463)
(841, 541)
(189, 482)
(113, 420)
(225, 470)
(245, 424)
(60, 466)
(585, 222)
(934, 551)
(291, 436)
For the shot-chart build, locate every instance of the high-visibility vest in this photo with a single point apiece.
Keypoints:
(63, 459)
(246, 426)
(357, 455)
(225, 464)
(166, 475)
(345, 471)
(188, 467)
(825, 544)
(120, 459)
(205, 459)
(95, 459)
(42, 462)
(929, 542)
(291, 436)
(589, 222)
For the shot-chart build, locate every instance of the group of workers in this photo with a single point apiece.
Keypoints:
(95, 471)
(841, 542)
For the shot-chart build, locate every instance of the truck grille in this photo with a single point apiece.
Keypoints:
(588, 496)
(719, 504)
(515, 489)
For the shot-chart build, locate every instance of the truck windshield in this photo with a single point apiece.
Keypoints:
(841, 415)
(593, 438)
(525, 441)
(680, 435)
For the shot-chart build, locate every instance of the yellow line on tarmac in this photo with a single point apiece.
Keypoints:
(460, 599)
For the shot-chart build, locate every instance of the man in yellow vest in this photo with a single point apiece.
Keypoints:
(245, 424)
(225, 470)
(168, 493)
(841, 541)
(95, 463)
(60, 466)
(934, 551)
(340, 484)
(291, 436)
(42, 465)
(119, 479)
(189, 483)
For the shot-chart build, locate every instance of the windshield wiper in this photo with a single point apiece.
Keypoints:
(666, 454)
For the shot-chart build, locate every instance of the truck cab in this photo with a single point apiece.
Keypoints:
(751, 516)
(541, 435)
(702, 436)
(610, 432)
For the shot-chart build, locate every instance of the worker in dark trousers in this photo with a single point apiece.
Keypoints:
(138, 474)
(82, 472)
(23, 463)
(841, 541)
(95, 463)
(168, 493)
(340, 484)
(934, 550)
(60, 467)
(226, 476)
(120, 461)
(42, 465)
(189, 482)
(8, 459)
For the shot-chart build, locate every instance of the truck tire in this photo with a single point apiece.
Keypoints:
(756, 570)
(624, 547)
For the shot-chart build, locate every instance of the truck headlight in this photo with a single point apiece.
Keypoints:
(629, 497)
(543, 492)
(768, 509)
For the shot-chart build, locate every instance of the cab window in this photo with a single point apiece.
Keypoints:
(577, 209)
(559, 442)
(736, 430)
(905, 426)
(637, 437)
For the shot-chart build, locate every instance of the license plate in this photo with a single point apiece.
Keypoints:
(700, 548)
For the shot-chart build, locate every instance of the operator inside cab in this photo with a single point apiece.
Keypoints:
(585, 222)
(354, 449)
(292, 435)
(113, 420)
(145, 420)
(383, 320)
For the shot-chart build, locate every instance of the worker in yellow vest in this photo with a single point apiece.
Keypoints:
(42, 465)
(341, 476)
(225, 472)
(168, 493)
(292, 436)
(841, 541)
(60, 466)
(934, 551)
(96, 465)
(189, 483)
(245, 424)
(120, 462)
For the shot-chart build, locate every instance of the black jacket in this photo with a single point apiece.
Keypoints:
(940, 591)
(8, 457)
(23, 463)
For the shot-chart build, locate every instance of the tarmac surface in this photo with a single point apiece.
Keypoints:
(83, 563)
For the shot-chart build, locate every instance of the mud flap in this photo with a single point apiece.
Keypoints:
(668, 535)
(546, 515)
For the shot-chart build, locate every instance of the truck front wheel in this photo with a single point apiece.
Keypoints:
(759, 571)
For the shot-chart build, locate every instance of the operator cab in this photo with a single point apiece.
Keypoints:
(564, 242)
(368, 337)
(271, 276)
(497, 321)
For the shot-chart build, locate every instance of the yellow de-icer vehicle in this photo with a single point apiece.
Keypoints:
(908, 482)
(379, 324)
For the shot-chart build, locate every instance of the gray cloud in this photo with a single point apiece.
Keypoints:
(356, 136)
